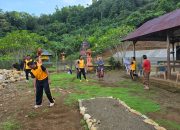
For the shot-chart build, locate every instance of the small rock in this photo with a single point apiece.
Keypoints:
(151, 122)
(82, 110)
(26, 116)
(135, 112)
(3, 85)
(94, 120)
(93, 128)
(87, 116)
(159, 128)
(2, 77)
(98, 122)
(89, 125)
(144, 116)
(16, 76)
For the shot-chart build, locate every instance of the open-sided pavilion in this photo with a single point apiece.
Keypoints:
(164, 28)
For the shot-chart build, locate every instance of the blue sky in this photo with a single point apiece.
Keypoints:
(38, 7)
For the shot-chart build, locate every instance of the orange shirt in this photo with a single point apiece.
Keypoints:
(38, 73)
(81, 64)
(133, 66)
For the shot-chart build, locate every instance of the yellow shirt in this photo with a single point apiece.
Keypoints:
(38, 73)
(81, 64)
(133, 66)
(26, 64)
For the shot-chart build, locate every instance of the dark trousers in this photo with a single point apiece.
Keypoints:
(27, 71)
(40, 85)
(133, 74)
(77, 73)
(82, 70)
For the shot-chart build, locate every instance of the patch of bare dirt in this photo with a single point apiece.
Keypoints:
(170, 105)
(18, 102)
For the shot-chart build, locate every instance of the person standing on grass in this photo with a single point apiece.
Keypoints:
(100, 67)
(81, 66)
(41, 81)
(133, 68)
(27, 69)
(146, 71)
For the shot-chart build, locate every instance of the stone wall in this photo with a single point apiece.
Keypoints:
(10, 76)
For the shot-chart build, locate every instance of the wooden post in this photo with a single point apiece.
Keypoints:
(134, 48)
(173, 57)
(168, 58)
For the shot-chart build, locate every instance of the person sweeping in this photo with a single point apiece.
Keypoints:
(41, 81)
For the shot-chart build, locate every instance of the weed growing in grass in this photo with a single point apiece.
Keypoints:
(10, 125)
(169, 124)
(45, 110)
(32, 114)
(56, 94)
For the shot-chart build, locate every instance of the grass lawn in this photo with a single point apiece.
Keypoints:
(170, 125)
(132, 93)
(85, 90)
(10, 125)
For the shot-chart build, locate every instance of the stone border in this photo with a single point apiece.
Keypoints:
(93, 122)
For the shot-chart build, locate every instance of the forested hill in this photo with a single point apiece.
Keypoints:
(102, 24)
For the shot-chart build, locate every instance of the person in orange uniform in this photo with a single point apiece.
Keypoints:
(81, 65)
(27, 69)
(41, 81)
(133, 68)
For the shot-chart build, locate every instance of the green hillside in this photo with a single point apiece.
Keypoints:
(102, 24)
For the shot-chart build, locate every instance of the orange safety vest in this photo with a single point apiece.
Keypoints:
(39, 74)
(81, 64)
(26, 64)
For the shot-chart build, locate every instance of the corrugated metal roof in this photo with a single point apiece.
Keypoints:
(164, 22)
(46, 53)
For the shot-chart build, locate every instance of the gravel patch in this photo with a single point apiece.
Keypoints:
(111, 115)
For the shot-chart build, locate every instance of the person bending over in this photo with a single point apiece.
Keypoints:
(41, 81)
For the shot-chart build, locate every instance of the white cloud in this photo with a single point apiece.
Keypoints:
(75, 2)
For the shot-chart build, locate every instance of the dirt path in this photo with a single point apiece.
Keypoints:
(18, 101)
